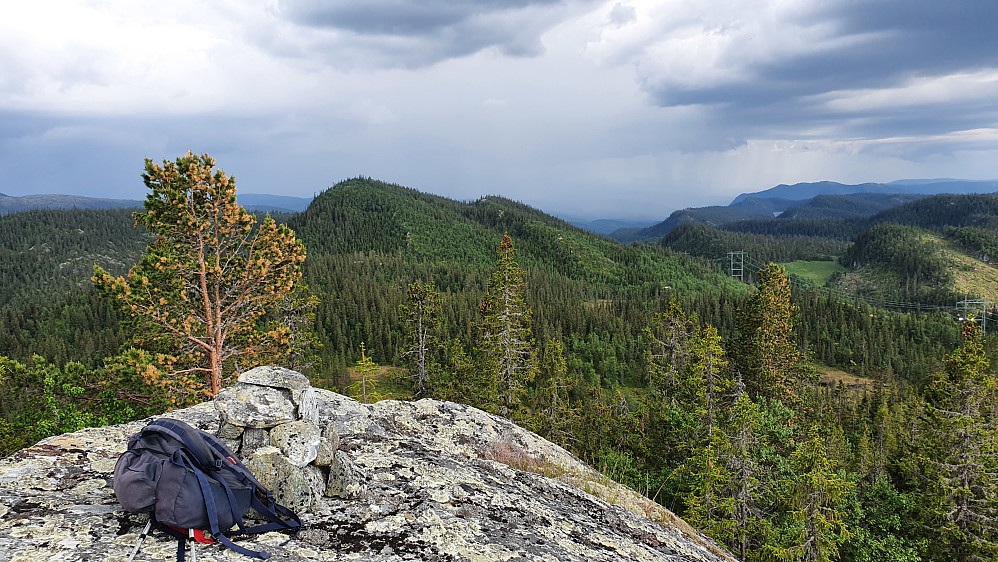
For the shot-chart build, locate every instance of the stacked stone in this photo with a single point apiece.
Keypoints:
(270, 421)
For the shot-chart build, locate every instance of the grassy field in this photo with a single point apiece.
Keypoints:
(831, 377)
(815, 272)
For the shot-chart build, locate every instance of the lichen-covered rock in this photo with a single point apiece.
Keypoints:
(439, 484)
(228, 431)
(302, 393)
(255, 406)
(294, 486)
(298, 440)
(231, 436)
(328, 445)
(254, 438)
(347, 415)
(331, 436)
(344, 480)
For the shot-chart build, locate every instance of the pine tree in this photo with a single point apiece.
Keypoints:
(421, 316)
(208, 280)
(505, 343)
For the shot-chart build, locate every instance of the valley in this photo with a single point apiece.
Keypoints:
(640, 352)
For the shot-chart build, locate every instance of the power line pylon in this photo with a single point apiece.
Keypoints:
(976, 310)
(737, 268)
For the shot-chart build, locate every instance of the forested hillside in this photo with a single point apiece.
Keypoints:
(367, 240)
(718, 399)
(702, 240)
(51, 253)
(857, 205)
(930, 252)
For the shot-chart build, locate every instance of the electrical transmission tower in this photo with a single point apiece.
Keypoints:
(737, 268)
(976, 310)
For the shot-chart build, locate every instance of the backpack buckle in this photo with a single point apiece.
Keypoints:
(218, 464)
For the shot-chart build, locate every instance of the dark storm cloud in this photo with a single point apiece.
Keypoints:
(104, 156)
(897, 39)
(866, 45)
(396, 17)
(401, 33)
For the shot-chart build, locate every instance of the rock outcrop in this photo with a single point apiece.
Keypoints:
(426, 480)
(270, 420)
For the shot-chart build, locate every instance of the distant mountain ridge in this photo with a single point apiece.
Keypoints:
(810, 190)
(607, 226)
(815, 200)
(251, 201)
(10, 204)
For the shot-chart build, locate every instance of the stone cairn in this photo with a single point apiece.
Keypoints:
(270, 420)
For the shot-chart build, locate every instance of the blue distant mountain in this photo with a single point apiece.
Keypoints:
(266, 202)
(50, 201)
(608, 226)
(807, 191)
(824, 199)
(251, 201)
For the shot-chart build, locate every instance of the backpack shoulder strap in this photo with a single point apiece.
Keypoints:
(280, 517)
(191, 438)
(209, 501)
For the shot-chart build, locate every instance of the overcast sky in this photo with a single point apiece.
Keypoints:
(581, 108)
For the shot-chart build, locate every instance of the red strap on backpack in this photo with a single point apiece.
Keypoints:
(197, 534)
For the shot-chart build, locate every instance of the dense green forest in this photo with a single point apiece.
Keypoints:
(718, 399)
(856, 205)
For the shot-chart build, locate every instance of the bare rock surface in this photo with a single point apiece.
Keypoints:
(427, 480)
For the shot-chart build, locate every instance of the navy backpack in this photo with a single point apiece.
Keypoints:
(193, 487)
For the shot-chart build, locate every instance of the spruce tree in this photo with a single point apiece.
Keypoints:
(421, 317)
(365, 387)
(708, 505)
(960, 452)
(505, 343)
(706, 378)
(668, 349)
(814, 498)
(743, 429)
(296, 310)
(553, 412)
(765, 350)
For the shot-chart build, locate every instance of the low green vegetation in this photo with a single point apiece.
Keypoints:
(815, 273)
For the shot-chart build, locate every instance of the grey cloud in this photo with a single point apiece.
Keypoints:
(623, 15)
(882, 44)
(396, 17)
(401, 33)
